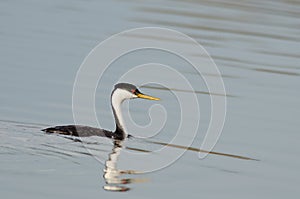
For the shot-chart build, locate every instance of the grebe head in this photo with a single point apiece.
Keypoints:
(129, 91)
(121, 92)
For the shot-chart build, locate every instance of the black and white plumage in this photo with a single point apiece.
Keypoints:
(121, 92)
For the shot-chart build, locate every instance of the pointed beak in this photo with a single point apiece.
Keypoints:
(141, 95)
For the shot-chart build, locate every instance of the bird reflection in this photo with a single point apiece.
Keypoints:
(113, 176)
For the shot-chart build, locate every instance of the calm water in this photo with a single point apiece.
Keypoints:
(256, 47)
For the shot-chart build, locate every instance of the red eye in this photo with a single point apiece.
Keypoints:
(133, 90)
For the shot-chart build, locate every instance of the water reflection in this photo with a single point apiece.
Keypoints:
(113, 176)
(27, 140)
(200, 150)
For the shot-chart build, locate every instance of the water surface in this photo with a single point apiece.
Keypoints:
(255, 45)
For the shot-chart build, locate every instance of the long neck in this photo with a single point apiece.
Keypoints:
(116, 101)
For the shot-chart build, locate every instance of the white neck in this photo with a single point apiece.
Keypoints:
(118, 96)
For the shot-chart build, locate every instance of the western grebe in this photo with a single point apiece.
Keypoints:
(121, 92)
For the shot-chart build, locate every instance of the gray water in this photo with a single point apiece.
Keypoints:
(255, 45)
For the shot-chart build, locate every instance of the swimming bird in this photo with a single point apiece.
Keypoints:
(121, 92)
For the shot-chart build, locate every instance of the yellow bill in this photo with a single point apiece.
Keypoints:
(140, 95)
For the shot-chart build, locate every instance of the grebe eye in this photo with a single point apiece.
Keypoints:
(133, 91)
